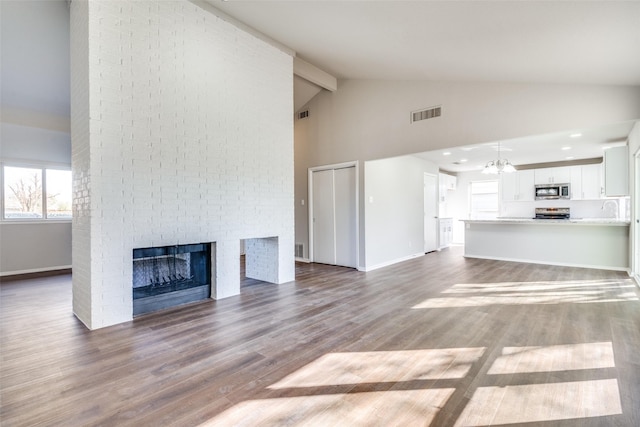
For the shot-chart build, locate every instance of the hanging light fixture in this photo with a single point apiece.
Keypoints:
(498, 166)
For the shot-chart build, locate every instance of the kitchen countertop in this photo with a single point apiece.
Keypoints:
(572, 221)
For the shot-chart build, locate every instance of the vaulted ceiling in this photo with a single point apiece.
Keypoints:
(557, 42)
(590, 42)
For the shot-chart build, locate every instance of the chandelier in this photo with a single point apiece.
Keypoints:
(498, 166)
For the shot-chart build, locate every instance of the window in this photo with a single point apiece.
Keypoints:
(58, 193)
(36, 193)
(483, 203)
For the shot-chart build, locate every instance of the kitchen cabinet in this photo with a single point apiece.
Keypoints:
(517, 186)
(557, 175)
(576, 183)
(616, 172)
(586, 182)
(446, 183)
(445, 226)
(591, 182)
(442, 192)
(450, 182)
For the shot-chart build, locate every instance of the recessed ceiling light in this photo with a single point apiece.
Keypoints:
(467, 148)
(575, 135)
(463, 160)
(446, 153)
(566, 148)
(569, 158)
(606, 147)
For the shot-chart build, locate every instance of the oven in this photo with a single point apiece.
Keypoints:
(552, 213)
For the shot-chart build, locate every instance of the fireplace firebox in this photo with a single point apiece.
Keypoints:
(168, 276)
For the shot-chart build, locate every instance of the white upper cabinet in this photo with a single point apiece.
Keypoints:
(616, 171)
(446, 183)
(558, 175)
(586, 182)
(526, 186)
(509, 187)
(576, 183)
(591, 182)
(449, 181)
(517, 186)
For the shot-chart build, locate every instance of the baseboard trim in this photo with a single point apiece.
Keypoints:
(388, 263)
(35, 273)
(560, 264)
(305, 260)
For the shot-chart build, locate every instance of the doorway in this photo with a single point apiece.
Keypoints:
(333, 215)
(635, 261)
(430, 213)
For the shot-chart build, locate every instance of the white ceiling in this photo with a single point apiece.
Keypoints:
(573, 145)
(576, 42)
(593, 42)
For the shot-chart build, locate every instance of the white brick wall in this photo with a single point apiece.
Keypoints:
(182, 132)
(80, 158)
(260, 256)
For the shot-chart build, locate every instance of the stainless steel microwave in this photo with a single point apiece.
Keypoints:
(552, 191)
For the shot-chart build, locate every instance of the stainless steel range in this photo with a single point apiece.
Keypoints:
(552, 213)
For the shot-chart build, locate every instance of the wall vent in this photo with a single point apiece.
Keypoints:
(303, 114)
(299, 250)
(428, 113)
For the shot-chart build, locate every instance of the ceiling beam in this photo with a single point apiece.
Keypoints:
(310, 72)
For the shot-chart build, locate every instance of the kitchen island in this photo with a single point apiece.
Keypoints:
(590, 243)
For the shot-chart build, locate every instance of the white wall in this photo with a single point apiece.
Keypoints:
(634, 191)
(30, 248)
(34, 121)
(182, 133)
(369, 119)
(394, 209)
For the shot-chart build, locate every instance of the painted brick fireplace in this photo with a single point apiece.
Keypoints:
(182, 132)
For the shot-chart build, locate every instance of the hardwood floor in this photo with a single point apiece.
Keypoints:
(439, 340)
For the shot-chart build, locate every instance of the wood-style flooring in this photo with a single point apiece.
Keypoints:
(439, 340)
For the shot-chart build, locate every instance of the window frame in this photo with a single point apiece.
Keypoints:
(471, 194)
(43, 167)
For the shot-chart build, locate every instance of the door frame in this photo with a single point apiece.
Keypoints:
(437, 210)
(635, 219)
(310, 204)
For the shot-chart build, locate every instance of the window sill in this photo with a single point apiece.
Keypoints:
(35, 221)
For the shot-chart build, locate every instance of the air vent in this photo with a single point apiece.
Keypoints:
(299, 250)
(303, 114)
(429, 113)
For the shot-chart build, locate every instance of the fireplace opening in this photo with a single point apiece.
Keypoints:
(168, 276)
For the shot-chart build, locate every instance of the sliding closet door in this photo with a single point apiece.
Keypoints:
(334, 216)
(323, 217)
(345, 216)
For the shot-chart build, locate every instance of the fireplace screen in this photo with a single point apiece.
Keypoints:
(170, 275)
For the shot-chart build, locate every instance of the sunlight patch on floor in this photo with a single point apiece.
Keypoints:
(569, 357)
(465, 288)
(383, 366)
(520, 293)
(397, 407)
(541, 402)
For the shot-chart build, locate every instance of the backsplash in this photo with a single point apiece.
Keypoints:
(605, 208)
